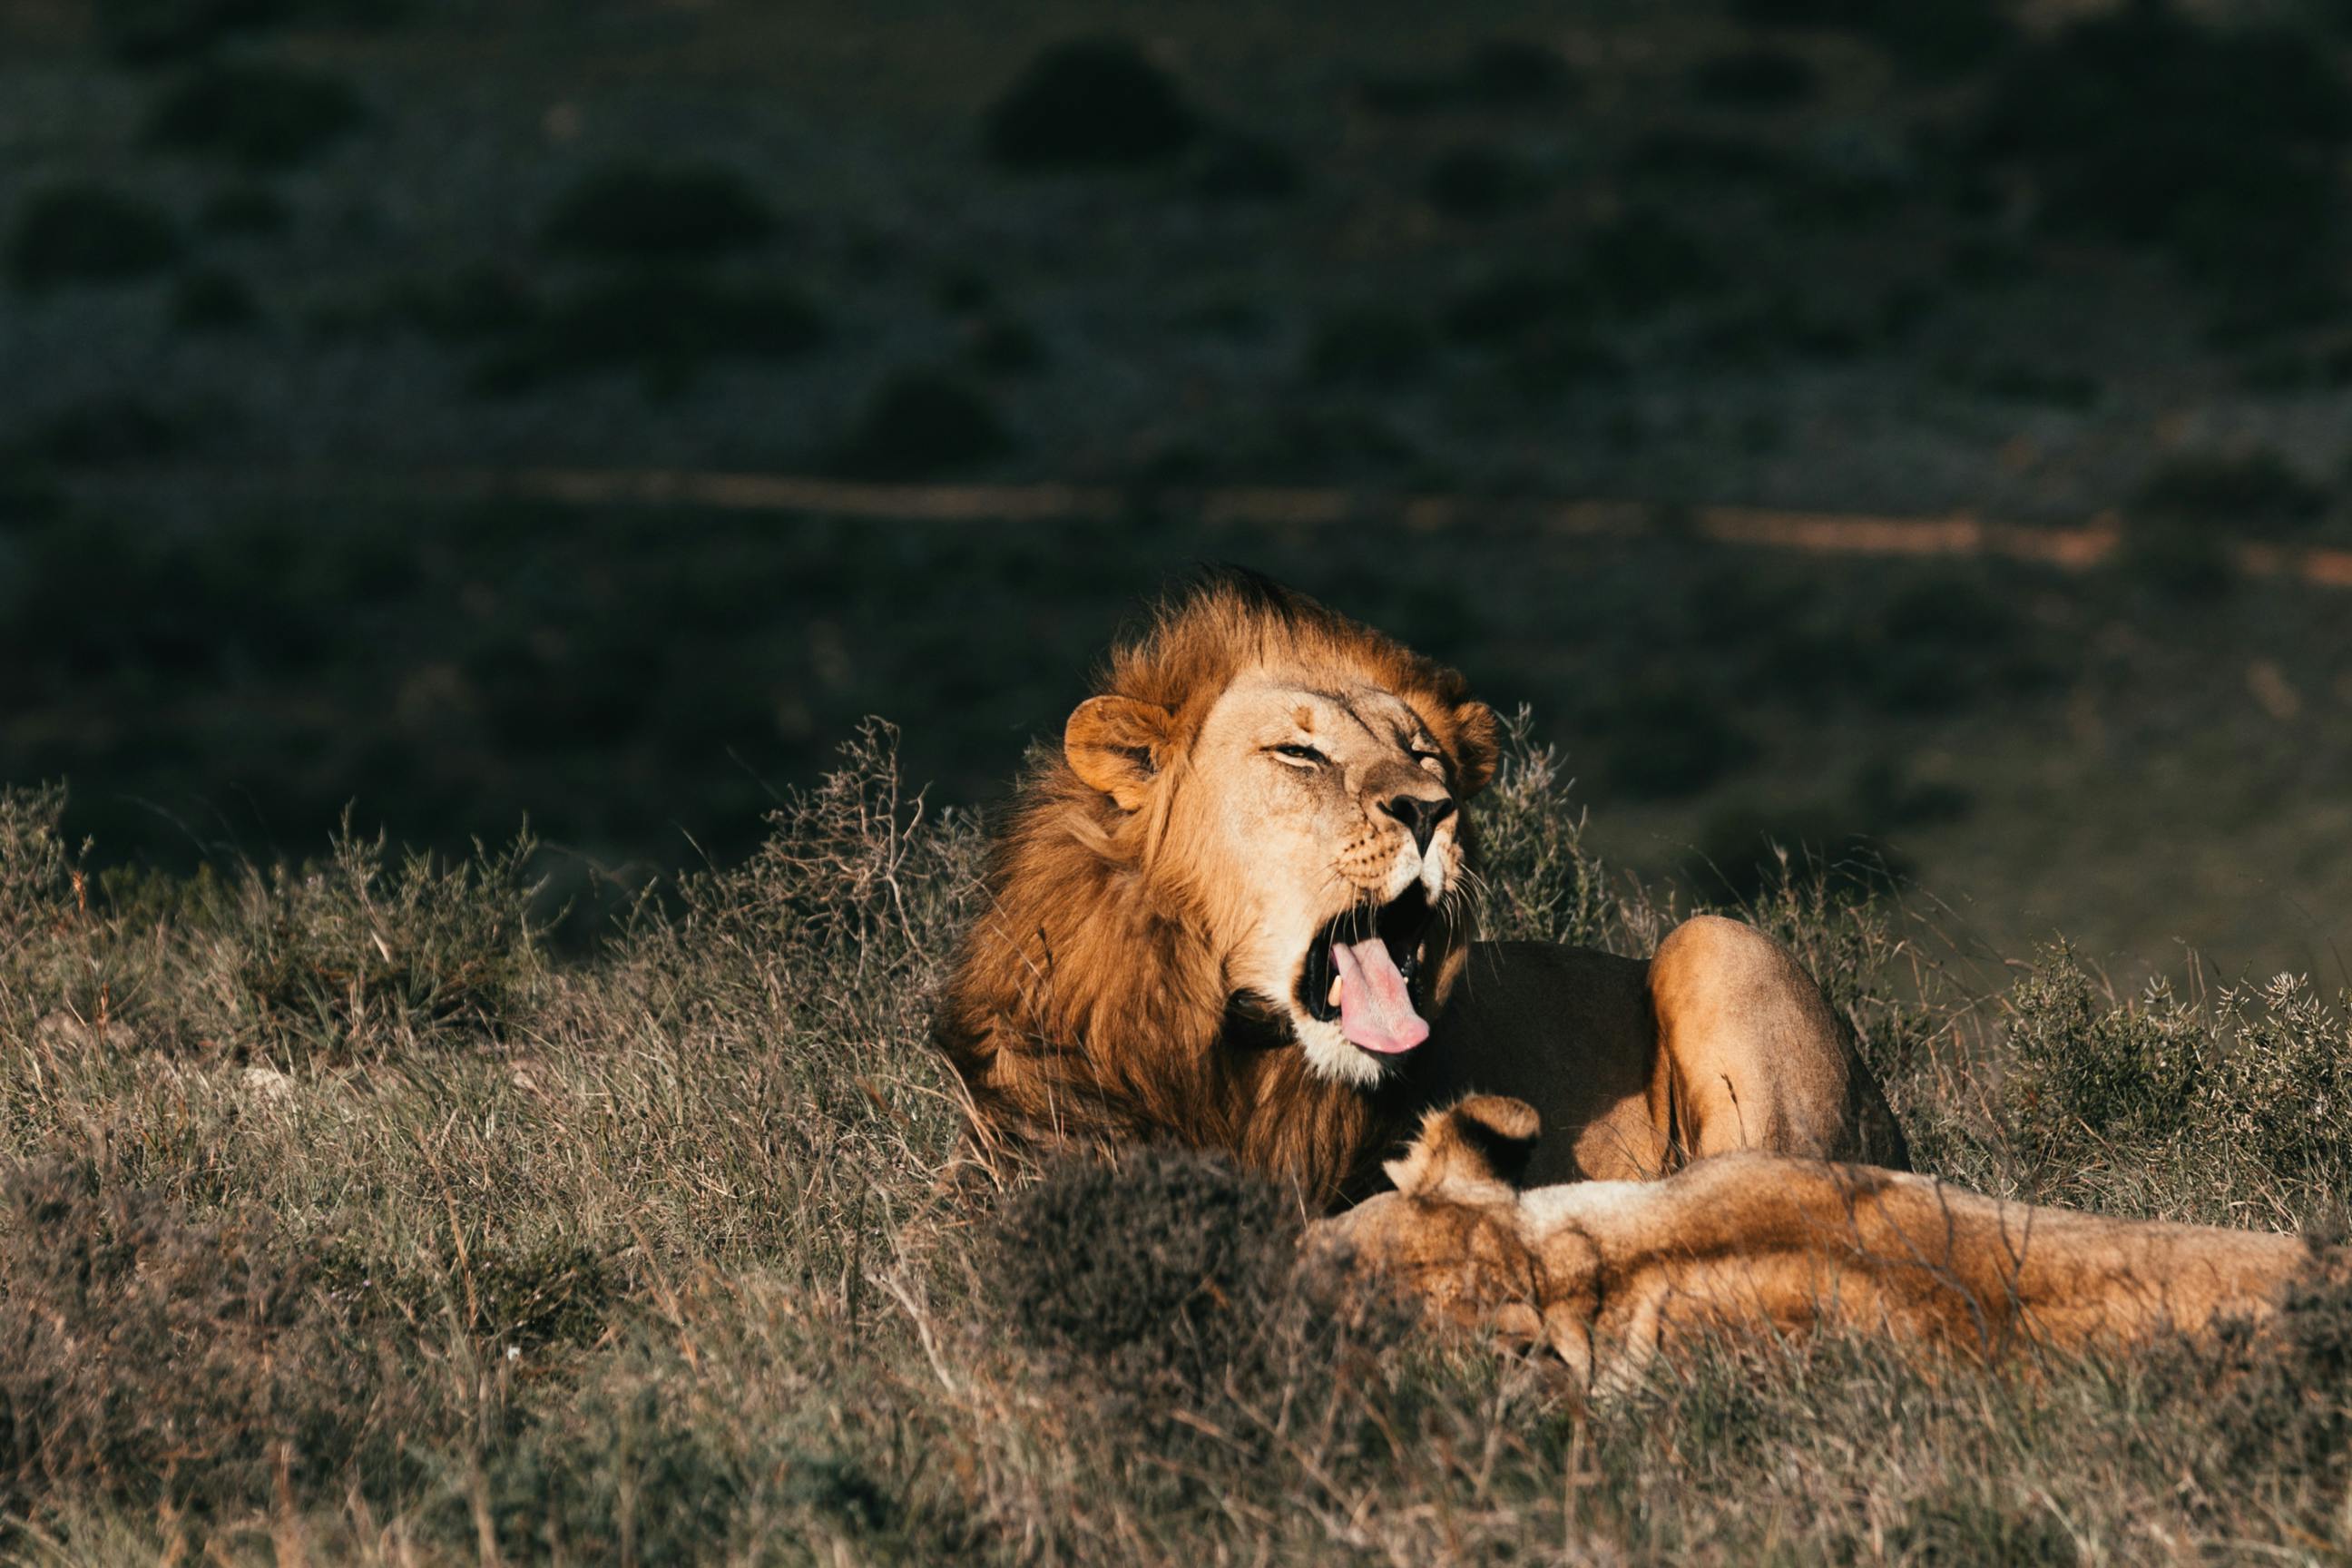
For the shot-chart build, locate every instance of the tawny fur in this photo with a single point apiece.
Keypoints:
(1137, 971)
(1609, 1274)
(1090, 1001)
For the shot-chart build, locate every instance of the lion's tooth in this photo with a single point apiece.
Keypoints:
(1334, 998)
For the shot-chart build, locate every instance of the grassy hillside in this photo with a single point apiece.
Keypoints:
(344, 1222)
(279, 278)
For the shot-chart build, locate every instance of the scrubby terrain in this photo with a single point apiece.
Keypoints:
(343, 1221)
(289, 286)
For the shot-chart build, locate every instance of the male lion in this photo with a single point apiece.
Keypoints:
(1608, 1274)
(1234, 911)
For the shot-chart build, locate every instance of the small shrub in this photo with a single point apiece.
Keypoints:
(1515, 301)
(478, 301)
(2183, 563)
(656, 212)
(1683, 155)
(665, 326)
(2020, 381)
(245, 209)
(1479, 180)
(213, 300)
(1755, 79)
(1005, 346)
(78, 233)
(2088, 1073)
(1500, 74)
(1645, 261)
(1559, 359)
(1236, 168)
(2233, 494)
(1512, 72)
(145, 32)
(1368, 345)
(1928, 38)
(258, 115)
(106, 430)
(361, 956)
(921, 423)
(1090, 103)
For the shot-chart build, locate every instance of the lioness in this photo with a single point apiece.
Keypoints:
(1234, 911)
(1607, 1274)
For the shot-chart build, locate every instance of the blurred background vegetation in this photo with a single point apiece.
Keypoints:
(291, 291)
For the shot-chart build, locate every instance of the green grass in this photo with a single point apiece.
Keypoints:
(341, 1218)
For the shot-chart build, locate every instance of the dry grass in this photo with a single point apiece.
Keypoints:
(342, 1220)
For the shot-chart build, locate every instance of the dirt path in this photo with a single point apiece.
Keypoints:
(1824, 533)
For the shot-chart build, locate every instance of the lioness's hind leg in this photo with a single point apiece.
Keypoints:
(1750, 1056)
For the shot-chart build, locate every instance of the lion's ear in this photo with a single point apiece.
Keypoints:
(1486, 1138)
(1476, 744)
(1115, 744)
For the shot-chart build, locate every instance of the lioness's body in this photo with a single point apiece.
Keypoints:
(1264, 799)
(1607, 1274)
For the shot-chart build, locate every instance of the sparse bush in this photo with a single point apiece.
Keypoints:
(79, 233)
(1245, 168)
(1505, 72)
(144, 32)
(1930, 38)
(2253, 1086)
(106, 430)
(475, 301)
(213, 300)
(659, 212)
(665, 326)
(245, 209)
(1005, 346)
(151, 32)
(1479, 179)
(1090, 103)
(258, 115)
(1514, 301)
(920, 423)
(1755, 79)
(2184, 561)
(360, 957)
(2233, 494)
(1368, 345)
(1500, 74)
(1645, 261)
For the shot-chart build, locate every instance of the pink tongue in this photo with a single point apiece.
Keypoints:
(1375, 1009)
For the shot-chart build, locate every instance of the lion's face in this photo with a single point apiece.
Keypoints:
(1314, 827)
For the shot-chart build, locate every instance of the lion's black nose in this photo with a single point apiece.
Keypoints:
(1420, 814)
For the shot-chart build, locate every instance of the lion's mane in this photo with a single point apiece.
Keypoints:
(1089, 1007)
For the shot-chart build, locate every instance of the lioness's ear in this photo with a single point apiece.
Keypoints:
(1486, 1138)
(1115, 745)
(1476, 744)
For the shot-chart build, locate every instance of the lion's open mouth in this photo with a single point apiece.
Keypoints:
(1363, 970)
